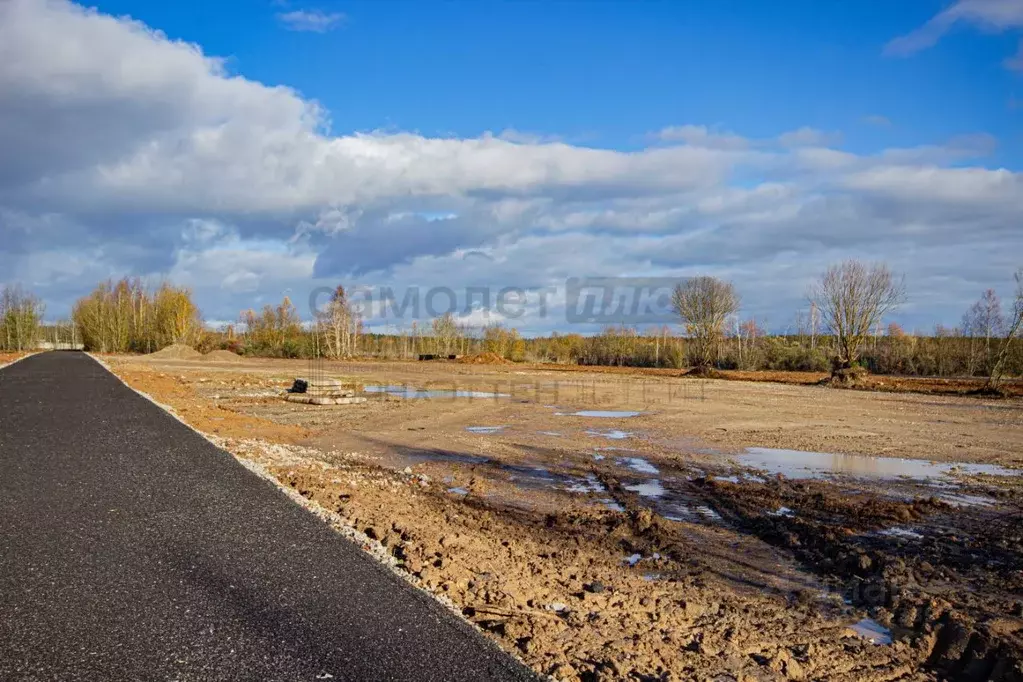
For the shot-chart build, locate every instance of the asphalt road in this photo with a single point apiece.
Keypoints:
(132, 549)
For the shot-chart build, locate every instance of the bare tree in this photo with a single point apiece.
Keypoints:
(852, 298)
(1013, 330)
(814, 320)
(705, 304)
(446, 333)
(984, 321)
(339, 326)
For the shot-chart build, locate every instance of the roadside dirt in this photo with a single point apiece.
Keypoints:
(650, 547)
(7, 358)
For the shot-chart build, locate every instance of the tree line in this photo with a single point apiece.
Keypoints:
(129, 317)
(843, 331)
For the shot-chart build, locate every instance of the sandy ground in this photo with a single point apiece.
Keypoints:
(655, 546)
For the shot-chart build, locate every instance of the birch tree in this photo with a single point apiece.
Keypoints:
(339, 326)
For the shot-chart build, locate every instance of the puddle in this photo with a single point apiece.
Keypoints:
(707, 513)
(872, 630)
(611, 504)
(597, 458)
(549, 433)
(614, 434)
(608, 414)
(532, 476)
(683, 511)
(483, 429)
(639, 465)
(903, 533)
(960, 500)
(799, 464)
(748, 478)
(633, 559)
(458, 491)
(410, 392)
(782, 511)
(652, 488)
(590, 484)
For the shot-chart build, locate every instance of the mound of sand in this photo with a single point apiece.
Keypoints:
(483, 359)
(176, 351)
(222, 356)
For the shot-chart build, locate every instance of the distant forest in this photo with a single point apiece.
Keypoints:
(843, 328)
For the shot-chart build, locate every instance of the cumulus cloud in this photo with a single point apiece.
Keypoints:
(127, 153)
(313, 21)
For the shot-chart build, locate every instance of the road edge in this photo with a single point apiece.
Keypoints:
(17, 360)
(372, 548)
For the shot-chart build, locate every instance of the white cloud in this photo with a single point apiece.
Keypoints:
(981, 187)
(313, 21)
(129, 153)
(701, 136)
(989, 15)
(808, 137)
(480, 317)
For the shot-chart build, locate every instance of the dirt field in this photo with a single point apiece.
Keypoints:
(649, 543)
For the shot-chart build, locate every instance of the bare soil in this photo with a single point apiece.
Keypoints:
(222, 356)
(8, 357)
(645, 547)
(966, 386)
(176, 351)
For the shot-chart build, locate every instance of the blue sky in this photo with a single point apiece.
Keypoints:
(749, 140)
(604, 73)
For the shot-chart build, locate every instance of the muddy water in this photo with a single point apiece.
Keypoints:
(600, 414)
(411, 392)
(613, 434)
(484, 429)
(639, 465)
(873, 631)
(818, 465)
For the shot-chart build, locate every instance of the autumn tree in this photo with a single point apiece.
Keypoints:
(21, 316)
(705, 304)
(125, 316)
(276, 330)
(500, 340)
(853, 298)
(177, 317)
(446, 333)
